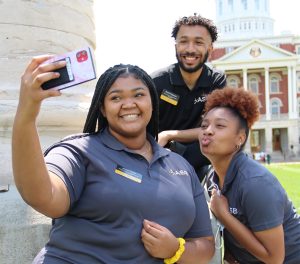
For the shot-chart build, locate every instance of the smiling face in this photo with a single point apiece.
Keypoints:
(193, 46)
(127, 107)
(220, 134)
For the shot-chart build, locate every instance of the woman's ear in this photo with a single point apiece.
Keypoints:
(242, 137)
(102, 111)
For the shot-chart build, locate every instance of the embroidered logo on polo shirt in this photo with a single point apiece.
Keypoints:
(129, 174)
(169, 97)
(178, 172)
(233, 210)
(200, 99)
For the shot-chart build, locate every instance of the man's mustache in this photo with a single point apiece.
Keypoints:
(190, 54)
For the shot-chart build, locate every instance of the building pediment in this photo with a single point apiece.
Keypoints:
(256, 50)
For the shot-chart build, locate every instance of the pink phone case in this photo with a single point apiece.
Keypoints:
(79, 69)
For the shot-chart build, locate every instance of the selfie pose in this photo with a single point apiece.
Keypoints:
(260, 223)
(114, 194)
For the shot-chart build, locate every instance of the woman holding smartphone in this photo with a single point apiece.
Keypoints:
(114, 194)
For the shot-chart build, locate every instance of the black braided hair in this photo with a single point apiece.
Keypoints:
(95, 121)
(194, 21)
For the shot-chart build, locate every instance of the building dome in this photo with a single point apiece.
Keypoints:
(238, 19)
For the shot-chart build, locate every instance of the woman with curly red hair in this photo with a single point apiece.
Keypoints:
(260, 222)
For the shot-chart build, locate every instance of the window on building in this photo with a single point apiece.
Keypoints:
(274, 84)
(266, 6)
(253, 84)
(233, 81)
(298, 82)
(220, 7)
(257, 4)
(254, 140)
(244, 4)
(275, 107)
(298, 50)
(230, 4)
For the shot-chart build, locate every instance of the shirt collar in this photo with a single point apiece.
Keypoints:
(111, 142)
(177, 79)
(233, 169)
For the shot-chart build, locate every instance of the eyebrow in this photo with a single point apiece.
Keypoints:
(120, 91)
(188, 37)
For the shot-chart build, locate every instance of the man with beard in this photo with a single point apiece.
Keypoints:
(182, 88)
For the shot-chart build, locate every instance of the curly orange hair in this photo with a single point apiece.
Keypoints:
(244, 102)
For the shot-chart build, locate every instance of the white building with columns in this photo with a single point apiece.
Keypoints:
(254, 58)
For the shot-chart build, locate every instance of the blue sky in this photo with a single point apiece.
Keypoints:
(139, 32)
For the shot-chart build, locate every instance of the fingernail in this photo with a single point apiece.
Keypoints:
(62, 63)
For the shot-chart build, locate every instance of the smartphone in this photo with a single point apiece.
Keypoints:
(79, 69)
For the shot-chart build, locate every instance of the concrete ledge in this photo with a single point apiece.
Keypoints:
(23, 231)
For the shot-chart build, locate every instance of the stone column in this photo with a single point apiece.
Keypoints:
(290, 92)
(30, 28)
(267, 93)
(294, 92)
(245, 79)
(268, 139)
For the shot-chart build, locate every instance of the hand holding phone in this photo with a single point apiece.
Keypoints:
(65, 76)
(79, 69)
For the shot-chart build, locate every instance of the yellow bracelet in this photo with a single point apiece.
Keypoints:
(178, 253)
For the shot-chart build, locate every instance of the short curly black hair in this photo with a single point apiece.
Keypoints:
(193, 21)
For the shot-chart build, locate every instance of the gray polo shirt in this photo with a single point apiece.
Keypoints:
(257, 199)
(112, 191)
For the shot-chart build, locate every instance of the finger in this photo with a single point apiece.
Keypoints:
(52, 93)
(153, 228)
(144, 234)
(154, 225)
(50, 66)
(44, 77)
(36, 61)
(41, 78)
(214, 191)
(147, 237)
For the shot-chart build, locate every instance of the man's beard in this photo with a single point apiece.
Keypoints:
(193, 69)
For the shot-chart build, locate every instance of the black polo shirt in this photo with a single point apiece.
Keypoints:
(181, 108)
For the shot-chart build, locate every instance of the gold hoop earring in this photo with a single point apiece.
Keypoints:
(238, 146)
